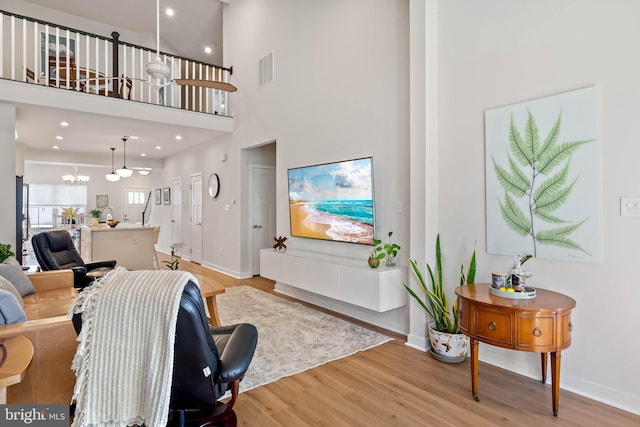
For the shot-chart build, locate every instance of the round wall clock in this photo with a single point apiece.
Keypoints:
(214, 185)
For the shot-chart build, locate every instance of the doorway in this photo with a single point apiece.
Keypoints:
(134, 201)
(195, 217)
(262, 211)
(176, 210)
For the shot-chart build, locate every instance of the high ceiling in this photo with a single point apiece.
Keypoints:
(91, 133)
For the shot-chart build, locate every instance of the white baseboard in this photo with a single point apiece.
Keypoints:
(528, 364)
(419, 343)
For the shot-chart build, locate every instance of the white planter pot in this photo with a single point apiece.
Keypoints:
(450, 346)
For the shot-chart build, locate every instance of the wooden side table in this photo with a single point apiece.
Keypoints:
(542, 324)
(19, 354)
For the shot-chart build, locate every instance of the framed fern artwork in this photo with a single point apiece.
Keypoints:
(543, 177)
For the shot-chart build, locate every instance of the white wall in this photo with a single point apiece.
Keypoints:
(340, 92)
(498, 52)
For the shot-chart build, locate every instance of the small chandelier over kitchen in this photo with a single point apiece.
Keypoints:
(124, 172)
(113, 176)
(75, 178)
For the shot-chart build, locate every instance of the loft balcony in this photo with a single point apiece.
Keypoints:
(44, 54)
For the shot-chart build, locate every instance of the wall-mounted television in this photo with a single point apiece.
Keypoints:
(333, 201)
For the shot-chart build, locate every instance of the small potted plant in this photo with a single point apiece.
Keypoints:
(391, 251)
(376, 254)
(447, 343)
(95, 214)
(174, 264)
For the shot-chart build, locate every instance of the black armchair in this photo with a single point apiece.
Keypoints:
(55, 251)
(225, 351)
(228, 350)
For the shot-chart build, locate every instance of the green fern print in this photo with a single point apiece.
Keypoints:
(538, 172)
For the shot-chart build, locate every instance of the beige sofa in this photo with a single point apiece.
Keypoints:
(49, 379)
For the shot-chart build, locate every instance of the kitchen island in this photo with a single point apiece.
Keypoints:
(131, 245)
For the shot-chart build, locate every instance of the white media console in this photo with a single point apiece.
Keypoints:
(343, 279)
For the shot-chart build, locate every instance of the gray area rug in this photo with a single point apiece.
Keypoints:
(291, 337)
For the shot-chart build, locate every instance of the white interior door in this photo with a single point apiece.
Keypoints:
(263, 211)
(195, 217)
(176, 210)
(134, 200)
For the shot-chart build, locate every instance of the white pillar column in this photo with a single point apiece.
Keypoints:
(8, 174)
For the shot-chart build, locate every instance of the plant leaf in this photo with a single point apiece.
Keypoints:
(516, 183)
(514, 217)
(548, 217)
(531, 139)
(558, 237)
(551, 139)
(551, 185)
(517, 145)
(552, 200)
(553, 155)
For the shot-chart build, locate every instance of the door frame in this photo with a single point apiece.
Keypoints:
(253, 167)
(191, 221)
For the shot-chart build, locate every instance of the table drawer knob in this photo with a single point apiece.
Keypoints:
(537, 332)
(491, 326)
(570, 327)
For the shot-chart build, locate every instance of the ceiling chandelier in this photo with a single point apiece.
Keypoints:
(157, 68)
(75, 178)
(113, 176)
(124, 172)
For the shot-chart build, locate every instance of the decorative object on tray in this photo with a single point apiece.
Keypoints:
(444, 334)
(112, 223)
(513, 285)
(279, 245)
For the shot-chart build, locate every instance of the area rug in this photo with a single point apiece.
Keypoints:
(291, 337)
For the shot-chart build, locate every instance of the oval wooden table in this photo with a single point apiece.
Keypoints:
(542, 324)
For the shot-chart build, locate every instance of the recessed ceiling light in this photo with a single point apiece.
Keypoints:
(58, 137)
(178, 137)
(169, 12)
(158, 147)
(143, 154)
(207, 49)
(65, 124)
(55, 147)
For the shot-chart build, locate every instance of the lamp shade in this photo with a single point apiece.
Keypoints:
(124, 172)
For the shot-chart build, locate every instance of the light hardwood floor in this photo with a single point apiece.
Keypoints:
(396, 385)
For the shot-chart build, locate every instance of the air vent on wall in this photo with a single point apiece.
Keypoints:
(265, 72)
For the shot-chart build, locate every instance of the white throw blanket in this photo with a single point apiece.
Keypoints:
(124, 360)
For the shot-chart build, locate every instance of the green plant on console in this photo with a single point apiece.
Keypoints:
(377, 251)
(6, 252)
(175, 259)
(435, 302)
(95, 213)
(391, 250)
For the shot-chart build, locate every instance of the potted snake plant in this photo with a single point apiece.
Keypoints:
(447, 343)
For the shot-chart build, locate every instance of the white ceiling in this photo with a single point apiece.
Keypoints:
(92, 133)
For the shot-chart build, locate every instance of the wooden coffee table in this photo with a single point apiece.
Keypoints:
(209, 289)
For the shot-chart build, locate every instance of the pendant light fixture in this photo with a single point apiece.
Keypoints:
(75, 178)
(113, 176)
(124, 172)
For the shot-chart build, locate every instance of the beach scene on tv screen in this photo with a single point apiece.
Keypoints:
(333, 201)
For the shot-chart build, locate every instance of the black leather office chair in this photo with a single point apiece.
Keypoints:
(55, 251)
(208, 361)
